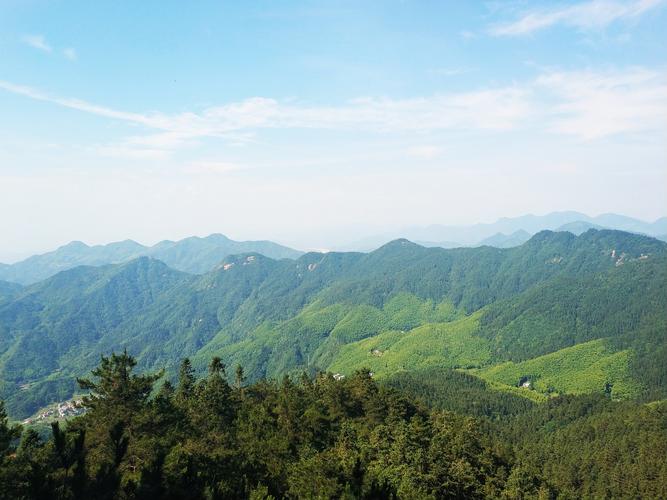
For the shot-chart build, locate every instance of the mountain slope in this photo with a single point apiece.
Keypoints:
(8, 290)
(579, 369)
(53, 329)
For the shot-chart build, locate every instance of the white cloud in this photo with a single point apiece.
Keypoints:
(593, 14)
(70, 54)
(37, 42)
(594, 105)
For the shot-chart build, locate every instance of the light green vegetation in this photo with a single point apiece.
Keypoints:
(315, 336)
(450, 345)
(578, 369)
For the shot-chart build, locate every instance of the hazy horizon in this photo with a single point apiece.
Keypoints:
(344, 241)
(320, 122)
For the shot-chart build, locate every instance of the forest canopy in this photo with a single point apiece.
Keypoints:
(326, 437)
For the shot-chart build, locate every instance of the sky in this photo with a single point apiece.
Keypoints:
(313, 123)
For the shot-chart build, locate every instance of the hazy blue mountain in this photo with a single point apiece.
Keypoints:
(623, 223)
(578, 227)
(8, 290)
(76, 253)
(441, 244)
(198, 255)
(659, 226)
(476, 234)
(9, 287)
(619, 222)
(193, 255)
(285, 316)
(500, 240)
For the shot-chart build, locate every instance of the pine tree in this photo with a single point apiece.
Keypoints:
(116, 387)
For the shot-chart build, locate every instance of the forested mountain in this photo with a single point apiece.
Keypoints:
(193, 255)
(592, 304)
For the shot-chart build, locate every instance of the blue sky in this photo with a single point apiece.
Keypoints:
(314, 123)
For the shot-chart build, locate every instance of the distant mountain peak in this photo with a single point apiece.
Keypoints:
(578, 227)
(546, 235)
(217, 237)
(401, 243)
(74, 245)
(502, 240)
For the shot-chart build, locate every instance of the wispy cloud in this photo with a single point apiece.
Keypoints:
(586, 104)
(593, 14)
(70, 54)
(74, 103)
(37, 42)
(491, 109)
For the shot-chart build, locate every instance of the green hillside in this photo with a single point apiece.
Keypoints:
(450, 345)
(579, 369)
(415, 307)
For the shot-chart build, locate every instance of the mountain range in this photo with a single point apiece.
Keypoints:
(199, 255)
(512, 231)
(569, 314)
(192, 255)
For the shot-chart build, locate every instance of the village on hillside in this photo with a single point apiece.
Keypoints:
(57, 411)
